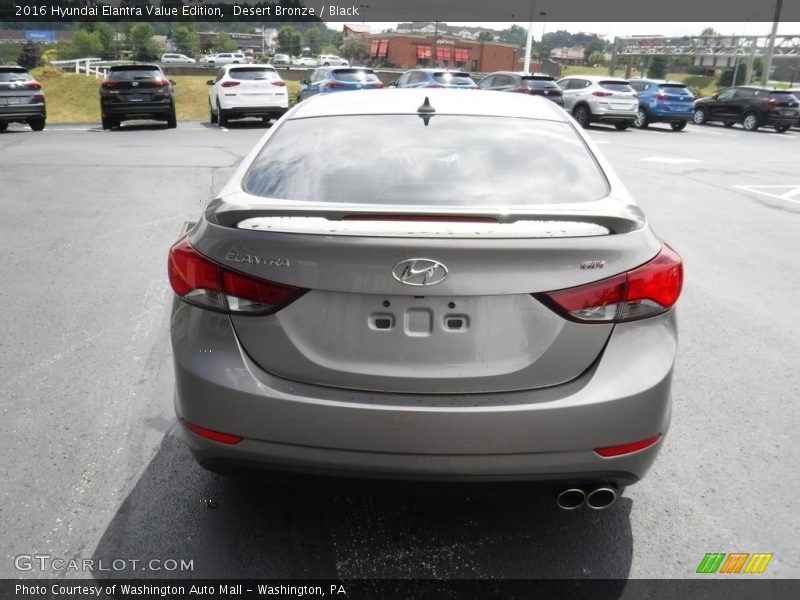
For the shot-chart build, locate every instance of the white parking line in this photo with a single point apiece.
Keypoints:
(790, 196)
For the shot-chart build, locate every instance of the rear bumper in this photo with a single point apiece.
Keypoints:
(603, 114)
(661, 114)
(777, 120)
(137, 110)
(540, 435)
(241, 112)
(22, 112)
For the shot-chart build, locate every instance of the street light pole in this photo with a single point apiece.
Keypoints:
(771, 47)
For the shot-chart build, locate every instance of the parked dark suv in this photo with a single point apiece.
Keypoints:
(752, 106)
(21, 99)
(535, 84)
(136, 92)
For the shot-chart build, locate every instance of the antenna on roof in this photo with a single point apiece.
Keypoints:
(426, 111)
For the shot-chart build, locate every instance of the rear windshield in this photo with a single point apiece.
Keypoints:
(673, 88)
(354, 75)
(616, 86)
(453, 78)
(251, 73)
(539, 83)
(782, 95)
(455, 160)
(131, 74)
(9, 75)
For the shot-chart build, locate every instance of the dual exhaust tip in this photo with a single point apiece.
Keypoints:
(596, 498)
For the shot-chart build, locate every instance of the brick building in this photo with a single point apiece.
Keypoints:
(407, 51)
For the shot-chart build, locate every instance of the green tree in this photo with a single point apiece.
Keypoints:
(142, 44)
(222, 42)
(726, 77)
(86, 44)
(290, 40)
(514, 35)
(355, 50)
(184, 38)
(485, 36)
(709, 31)
(657, 67)
(597, 58)
(315, 39)
(30, 55)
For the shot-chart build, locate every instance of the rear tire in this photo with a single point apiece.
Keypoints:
(729, 124)
(107, 123)
(582, 116)
(36, 124)
(642, 120)
(678, 125)
(212, 117)
(781, 128)
(751, 122)
(172, 120)
(3, 126)
(700, 117)
(222, 118)
(623, 125)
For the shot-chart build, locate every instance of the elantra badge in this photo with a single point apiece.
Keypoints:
(419, 272)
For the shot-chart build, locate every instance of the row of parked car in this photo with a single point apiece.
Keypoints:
(242, 90)
(594, 98)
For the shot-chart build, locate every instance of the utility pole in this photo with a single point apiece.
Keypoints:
(433, 45)
(529, 41)
(771, 47)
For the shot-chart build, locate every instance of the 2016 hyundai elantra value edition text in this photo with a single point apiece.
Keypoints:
(427, 284)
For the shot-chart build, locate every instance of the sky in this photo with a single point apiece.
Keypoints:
(611, 30)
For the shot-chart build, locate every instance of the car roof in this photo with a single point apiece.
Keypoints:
(247, 66)
(15, 68)
(442, 70)
(658, 81)
(520, 74)
(443, 101)
(134, 67)
(596, 78)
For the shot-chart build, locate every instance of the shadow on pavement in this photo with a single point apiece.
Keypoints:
(264, 526)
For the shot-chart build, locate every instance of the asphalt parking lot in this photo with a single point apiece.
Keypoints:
(93, 465)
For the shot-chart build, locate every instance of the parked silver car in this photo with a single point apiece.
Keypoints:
(424, 283)
(595, 98)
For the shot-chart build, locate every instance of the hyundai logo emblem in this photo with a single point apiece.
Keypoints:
(419, 271)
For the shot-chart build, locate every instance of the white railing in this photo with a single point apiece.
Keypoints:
(89, 66)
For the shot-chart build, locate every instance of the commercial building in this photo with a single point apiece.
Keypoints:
(407, 51)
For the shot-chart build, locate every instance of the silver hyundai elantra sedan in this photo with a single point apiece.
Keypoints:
(427, 284)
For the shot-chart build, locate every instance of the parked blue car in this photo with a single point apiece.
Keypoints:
(338, 79)
(662, 101)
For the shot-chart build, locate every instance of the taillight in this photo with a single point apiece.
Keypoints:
(602, 94)
(108, 85)
(38, 97)
(377, 84)
(217, 436)
(660, 96)
(609, 451)
(333, 84)
(229, 83)
(774, 101)
(34, 86)
(646, 291)
(201, 281)
(521, 89)
(279, 83)
(435, 85)
(160, 82)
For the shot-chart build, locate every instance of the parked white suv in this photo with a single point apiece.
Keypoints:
(592, 98)
(242, 91)
(176, 59)
(225, 58)
(325, 60)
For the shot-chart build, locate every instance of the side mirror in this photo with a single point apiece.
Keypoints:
(210, 82)
(304, 82)
(393, 83)
(173, 82)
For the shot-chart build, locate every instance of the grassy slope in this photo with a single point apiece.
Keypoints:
(73, 98)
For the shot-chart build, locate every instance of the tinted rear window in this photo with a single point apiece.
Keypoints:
(540, 84)
(673, 88)
(252, 73)
(9, 75)
(454, 161)
(356, 75)
(131, 74)
(616, 86)
(785, 96)
(453, 78)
